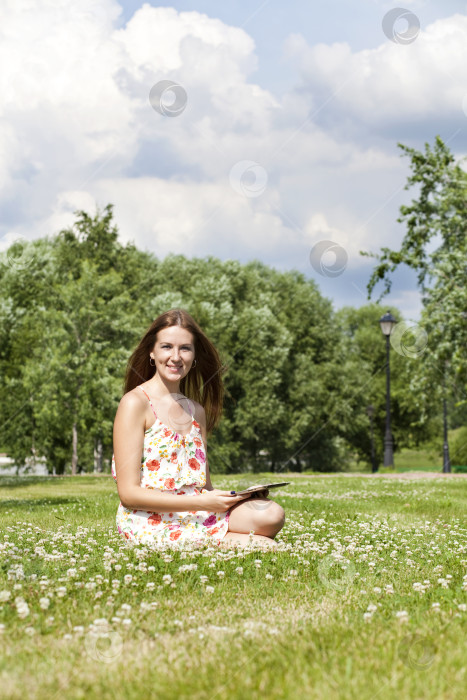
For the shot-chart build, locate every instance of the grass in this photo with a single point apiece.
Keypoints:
(365, 598)
(425, 459)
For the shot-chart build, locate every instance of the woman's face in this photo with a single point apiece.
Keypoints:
(173, 353)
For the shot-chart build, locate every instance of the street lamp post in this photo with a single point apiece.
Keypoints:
(371, 412)
(387, 322)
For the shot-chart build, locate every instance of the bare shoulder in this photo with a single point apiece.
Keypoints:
(132, 404)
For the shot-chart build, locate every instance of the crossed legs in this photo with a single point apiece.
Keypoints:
(263, 516)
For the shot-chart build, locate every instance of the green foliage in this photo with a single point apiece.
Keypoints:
(298, 376)
(435, 246)
(458, 450)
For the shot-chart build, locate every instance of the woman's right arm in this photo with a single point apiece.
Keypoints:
(128, 441)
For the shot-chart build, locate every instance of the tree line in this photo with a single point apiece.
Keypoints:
(299, 376)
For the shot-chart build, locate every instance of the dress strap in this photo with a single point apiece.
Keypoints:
(150, 402)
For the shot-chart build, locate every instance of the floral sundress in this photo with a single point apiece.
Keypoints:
(177, 464)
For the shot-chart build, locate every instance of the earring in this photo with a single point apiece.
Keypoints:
(153, 363)
(194, 363)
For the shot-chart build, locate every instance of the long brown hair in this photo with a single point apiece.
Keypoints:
(203, 383)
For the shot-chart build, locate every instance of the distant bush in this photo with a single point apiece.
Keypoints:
(458, 451)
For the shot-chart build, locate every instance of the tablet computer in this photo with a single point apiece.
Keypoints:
(261, 487)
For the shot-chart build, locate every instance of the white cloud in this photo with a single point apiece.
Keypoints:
(77, 128)
(391, 84)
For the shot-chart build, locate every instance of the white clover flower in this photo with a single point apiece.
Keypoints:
(4, 596)
(402, 615)
(293, 572)
(221, 574)
(127, 578)
(30, 631)
(203, 579)
(209, 589)
(377, 590)
(462, 607)
(239, 570)
(367, 616)
(269, 576)
(372, 608)
(22, 608)
(150, 585)
(100, 622)
(44, 603)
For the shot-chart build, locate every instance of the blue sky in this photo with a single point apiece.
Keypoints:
(288, 136)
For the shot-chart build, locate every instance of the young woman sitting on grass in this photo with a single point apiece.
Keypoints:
(173, 399)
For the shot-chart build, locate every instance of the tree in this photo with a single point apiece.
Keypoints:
(67, 337)
(364, 356)
(435, 246)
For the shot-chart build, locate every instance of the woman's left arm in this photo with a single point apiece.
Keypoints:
(202, 423)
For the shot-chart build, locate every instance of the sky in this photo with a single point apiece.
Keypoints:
(254, 131)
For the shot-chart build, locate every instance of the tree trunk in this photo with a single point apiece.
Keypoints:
(98, 455)
(74, 456)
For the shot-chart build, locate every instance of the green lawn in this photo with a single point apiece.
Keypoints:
(366, 597)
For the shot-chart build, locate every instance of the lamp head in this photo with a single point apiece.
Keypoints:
(387, 322)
